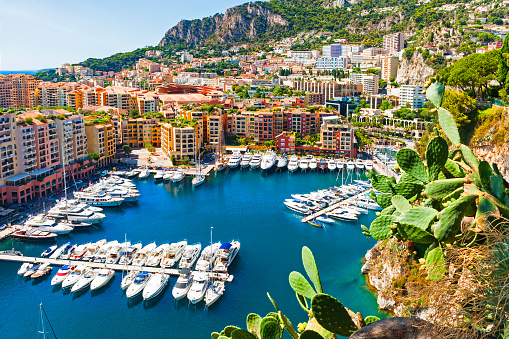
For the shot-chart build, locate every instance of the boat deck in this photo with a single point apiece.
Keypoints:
(115, 267)
(334, 206)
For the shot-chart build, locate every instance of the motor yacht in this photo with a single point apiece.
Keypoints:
(167, 176)
(59, 251)
(98, 199)
(184, 282)
(268, 160)
(227, 252)
(41, 272)
(86, 279)
(67, 252)
(178, 175)
(159, 175)
(368, 165)
(79, 252)
(115, 252)
(198, 180)
(246, 159)
(61, 274)
(42, 223)
(144, 174)
(73, 203)
(343, 216)
(137, 286)
(331, 165)
(350, 166)
(282, 162)
(235, 159)
(128, 279)
(31, 270)
(74, 276)
(49, 251)
(76, 225)
(24, 268)
(190, 255)
(369, 204)
(207, 257)
(313, 163)
(293, 163)
(92, 250)
(359, 164)
(103, 251)
(256, 161)
(155, 285)
(156, 255)
(316, 223)
(131, 174)
(339, 164)
(322, 164)
(128, 254)
(123, 193)
(214, 292)
(198, 288)
(172, 255)
(325, 220)
(103, 277)
(141, 256)
(76, 212)
(297, 207)
(304, 164)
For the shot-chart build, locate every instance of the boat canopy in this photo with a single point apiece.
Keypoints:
(65, 267)
(225, 246)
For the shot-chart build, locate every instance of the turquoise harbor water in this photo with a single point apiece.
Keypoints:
(239, 204)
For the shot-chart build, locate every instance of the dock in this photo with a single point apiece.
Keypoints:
(333, 207)
(115, 267)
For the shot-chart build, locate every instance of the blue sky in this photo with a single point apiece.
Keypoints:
(37, 34)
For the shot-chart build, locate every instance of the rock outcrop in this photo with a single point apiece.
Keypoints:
(413, 71)
(238, 24)
(495, 154)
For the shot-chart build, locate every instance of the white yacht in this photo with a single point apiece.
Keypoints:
(359, 164)
(98, 199)
(131, 174)
(155, 285)
(256, 161)
(227, 252)
(24, 268)
(74, 212)
(235, 159)
(198, 288)
(92, 250)
(144, 174)
(331, 165)
(101, 255)
(178, 175)
(246, 159)
(103, 277)
(137, 286)
(167, 176)
(215, 290)
(304, 164)
(42, 223)
(343, 216)
(67, 252)
(198, 180)
(128, 195)
(207, 257)
(61, 275)
(313, 163)
(74, 276)
(60, 250)
(84, 281)
(115, 252)
(293, 164)
(191, 253)
(141, 256)
(282, 162)
(159, 175)
(77, 225)
(172, 255)
(369, 165)
(350, 166)
(297, 207)
(79, 252)
(128, 254)
(369, 204)
(128, 279)
(268, 160)
(156, 255)
(183, 284)
(339, 164)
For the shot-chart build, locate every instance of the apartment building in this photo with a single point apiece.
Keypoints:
(214, 126)
(331, 51)
(8, 154)
(146, 102)
(101, 140)
(180, 139)
(286, 142)
(389, 67)
(16, 90)
(329, 90)
(330, 63)
(236, 124)
(119, 97)
(137, 132)
(394, 42)
(369, 82)
(411, 96)
(50, 94)
(337, 138)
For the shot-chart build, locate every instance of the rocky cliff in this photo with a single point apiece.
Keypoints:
(495, 154)
(413, 71)
(238, 24)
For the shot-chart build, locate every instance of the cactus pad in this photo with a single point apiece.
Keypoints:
(371, 319)
(253, 322)
(388, 210)
(214, 335)
(435, 261)
(381, 183)
(469, 157)
(436, 156)
(418, 216)
(415, 234)
(435, 93)
(300, 285)
(454, 169)
(243, 334)
(384, 200)
(270, 329)
(408, 189)
(302, 302)
(309, 334)
(484, 172)
(486, 207)
(379, 228)
(410, 162)
(228, 330)
(449, 126)
(439, 189)
(497, 187)
(308, 260)
(273, 302)
(401, 204)
(331, 315)
(288, 325)
(450, 218)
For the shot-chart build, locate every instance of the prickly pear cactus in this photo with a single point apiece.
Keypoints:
(308, 260)
(243, 334)
(331, 315)
(300, 285)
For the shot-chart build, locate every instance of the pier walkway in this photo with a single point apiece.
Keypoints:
(115, 267)
(334, 206)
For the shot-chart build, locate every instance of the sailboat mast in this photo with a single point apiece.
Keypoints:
(42, 323)
(211, 228)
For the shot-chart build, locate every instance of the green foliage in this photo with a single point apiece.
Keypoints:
(126, 149)
(419, 216)
(435, 261)
(410, 162)
(436, 156)
(449, 126)
(300, 285)
(371, 319)
(309, 263)
(435, 93)
(28, 120)
(379, 228)
(401, 204)
(439, 189)
(449, 220)
(332, 315)
(93, 156)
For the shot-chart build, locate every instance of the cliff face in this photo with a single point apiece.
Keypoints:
(495, 154)
(413, 71)
(238, 24)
